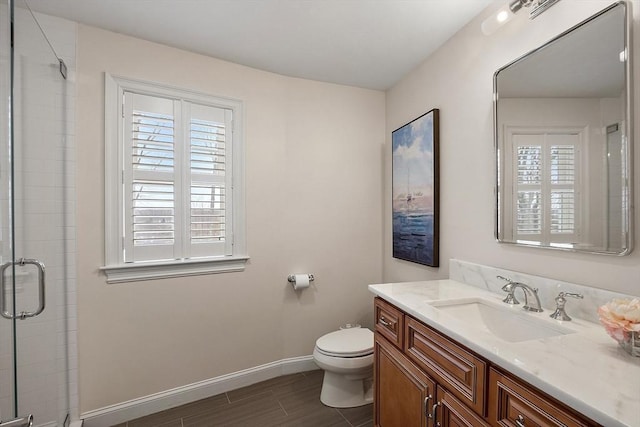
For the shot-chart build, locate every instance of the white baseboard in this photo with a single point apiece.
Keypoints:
(121, 412)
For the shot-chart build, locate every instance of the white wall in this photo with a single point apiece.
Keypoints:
(457, 79)
(314, 165)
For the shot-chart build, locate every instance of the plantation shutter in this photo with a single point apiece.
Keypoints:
(176, 179)
(208, 221)
(529, 188)
(546, 191)
(562, 187)
(149, 178)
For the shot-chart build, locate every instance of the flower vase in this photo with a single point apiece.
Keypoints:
(631, 343)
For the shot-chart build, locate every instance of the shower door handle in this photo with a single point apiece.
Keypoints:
(18, 422)
(4, 312)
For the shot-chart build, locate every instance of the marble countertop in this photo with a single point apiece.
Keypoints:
(586, 370)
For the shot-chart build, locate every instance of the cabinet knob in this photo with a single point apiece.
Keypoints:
(520, 421)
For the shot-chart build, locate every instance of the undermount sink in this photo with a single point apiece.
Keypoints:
(509, 323)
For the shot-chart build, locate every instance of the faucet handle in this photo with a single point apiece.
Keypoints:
(569, 294)
(560, 314)
(509, 289)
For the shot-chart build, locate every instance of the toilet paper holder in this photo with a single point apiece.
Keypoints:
(292, 278)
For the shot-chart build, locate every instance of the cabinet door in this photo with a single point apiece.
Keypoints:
(404, 394)
(453, 413)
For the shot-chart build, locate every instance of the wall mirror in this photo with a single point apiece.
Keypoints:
(562, 134)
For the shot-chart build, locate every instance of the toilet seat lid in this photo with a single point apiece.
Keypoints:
(351, 342)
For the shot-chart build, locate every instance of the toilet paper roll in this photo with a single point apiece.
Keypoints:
(301, 281)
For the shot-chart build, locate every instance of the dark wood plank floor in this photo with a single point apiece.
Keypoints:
(290, 400)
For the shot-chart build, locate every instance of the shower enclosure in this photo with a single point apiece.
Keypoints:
(37, 236)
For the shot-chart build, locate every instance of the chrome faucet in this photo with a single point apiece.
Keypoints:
(529, 292)
(560, 314)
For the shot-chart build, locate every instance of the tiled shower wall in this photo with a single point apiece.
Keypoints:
(44, 164)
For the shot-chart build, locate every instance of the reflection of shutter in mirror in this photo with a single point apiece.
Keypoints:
(529, 180)
(563, 199)
(546, 186)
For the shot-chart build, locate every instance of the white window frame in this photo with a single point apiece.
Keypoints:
(115, 268)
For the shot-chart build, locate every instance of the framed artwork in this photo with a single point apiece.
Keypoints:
(415, 191)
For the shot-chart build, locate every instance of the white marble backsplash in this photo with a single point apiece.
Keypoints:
(484, 277)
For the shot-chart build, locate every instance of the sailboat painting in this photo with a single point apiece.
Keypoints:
(415, 190)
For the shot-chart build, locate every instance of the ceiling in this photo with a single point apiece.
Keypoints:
(365, 43)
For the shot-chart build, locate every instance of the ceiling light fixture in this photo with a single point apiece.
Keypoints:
(516, 5)
(508, 11)
(502, 16)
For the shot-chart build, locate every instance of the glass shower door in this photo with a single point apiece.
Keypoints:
(33, 215)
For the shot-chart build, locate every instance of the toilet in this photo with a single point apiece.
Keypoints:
(346, 356)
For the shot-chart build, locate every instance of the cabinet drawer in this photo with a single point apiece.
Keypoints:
(514, 404)
(460, 371)
(389, 321)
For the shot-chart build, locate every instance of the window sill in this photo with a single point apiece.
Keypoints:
(134, 272)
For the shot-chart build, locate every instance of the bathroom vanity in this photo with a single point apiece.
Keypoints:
(452, 354)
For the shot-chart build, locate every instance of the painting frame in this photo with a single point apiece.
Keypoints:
(415, 190)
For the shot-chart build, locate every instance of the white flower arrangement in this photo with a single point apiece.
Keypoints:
(621, 320)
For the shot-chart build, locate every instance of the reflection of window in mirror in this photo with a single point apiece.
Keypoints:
(547, 188)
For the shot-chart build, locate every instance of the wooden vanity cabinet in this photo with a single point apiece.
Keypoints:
(417, 367)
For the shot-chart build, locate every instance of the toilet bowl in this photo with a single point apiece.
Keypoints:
(346, 356)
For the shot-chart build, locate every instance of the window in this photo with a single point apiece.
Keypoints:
(546, 190)
(174, 203)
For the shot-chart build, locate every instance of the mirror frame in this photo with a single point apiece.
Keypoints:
(627, 141)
